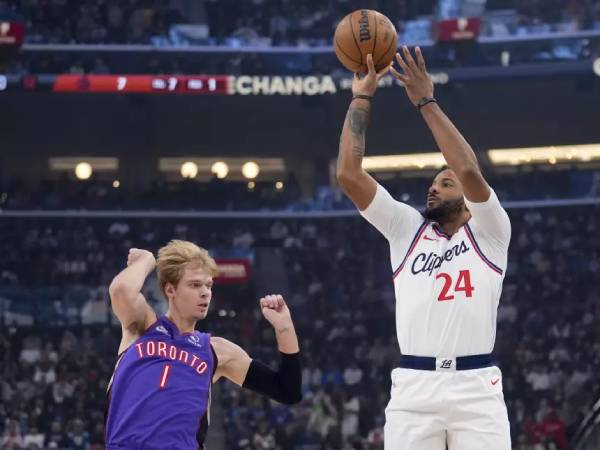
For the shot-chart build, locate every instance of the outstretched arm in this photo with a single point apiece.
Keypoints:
(352, 178)
(283, 385)
(128, 304)
(456, 150)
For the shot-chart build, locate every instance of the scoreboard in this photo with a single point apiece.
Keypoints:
(269, 84)
(142, 84)
(172, 84)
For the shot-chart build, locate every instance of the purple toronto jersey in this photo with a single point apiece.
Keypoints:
(159, 394)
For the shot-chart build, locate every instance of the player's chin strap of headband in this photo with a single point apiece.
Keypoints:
(283, 385)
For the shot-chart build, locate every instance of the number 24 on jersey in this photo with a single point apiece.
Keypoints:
(463, 284)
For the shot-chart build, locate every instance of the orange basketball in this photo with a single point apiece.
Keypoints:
(362, 32)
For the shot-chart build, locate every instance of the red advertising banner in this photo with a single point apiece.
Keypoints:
(11, 33)
(233, 270)
(458, 29)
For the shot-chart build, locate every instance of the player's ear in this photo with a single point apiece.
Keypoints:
(169, 290)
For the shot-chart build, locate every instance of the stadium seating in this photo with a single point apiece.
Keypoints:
(58, 366)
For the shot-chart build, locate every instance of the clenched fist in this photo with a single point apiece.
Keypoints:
(276, 312)
(141, 255)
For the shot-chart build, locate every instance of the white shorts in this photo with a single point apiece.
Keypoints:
(464, 409)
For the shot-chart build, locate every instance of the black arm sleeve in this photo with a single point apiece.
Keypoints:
(284, 385)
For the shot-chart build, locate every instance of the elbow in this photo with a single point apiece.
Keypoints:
(117, 289)
(293, 398)
(296, 394)
(468, 171)
(290, 390)
(341, 177)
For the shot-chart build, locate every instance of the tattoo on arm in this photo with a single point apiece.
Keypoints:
(359, 151)
(358, 119)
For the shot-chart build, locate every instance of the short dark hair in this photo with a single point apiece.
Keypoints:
(444, 167)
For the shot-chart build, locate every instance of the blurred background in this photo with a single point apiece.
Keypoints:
(130, 123)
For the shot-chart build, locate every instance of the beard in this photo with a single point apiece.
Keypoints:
(445, 211)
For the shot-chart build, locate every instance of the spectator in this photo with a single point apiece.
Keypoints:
(34, 439)
(351, 411)
(539, 379)
(31, 352)
(12, 438)
(56, 436)
(96, 309)
(554, 430)
(77, 438)
(44, 372)
(264, 438)
(353, 374)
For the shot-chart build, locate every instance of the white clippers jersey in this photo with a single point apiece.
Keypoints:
(447, 287)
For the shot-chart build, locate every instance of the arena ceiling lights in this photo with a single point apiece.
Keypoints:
(397, 163)
(235, 169)
(83, 166)
(545, 155)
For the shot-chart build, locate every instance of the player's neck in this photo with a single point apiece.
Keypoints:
(182, 324)
(453, 225)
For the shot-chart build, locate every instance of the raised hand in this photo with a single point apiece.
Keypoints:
(414, 76)
(276, 311)
(366, 84)
(139, 254)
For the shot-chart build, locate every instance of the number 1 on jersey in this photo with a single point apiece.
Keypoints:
(463, 284)
(165, 376)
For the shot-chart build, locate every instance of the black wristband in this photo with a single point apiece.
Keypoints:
(362, 96)
(425, 101)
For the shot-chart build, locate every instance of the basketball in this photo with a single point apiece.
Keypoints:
(362, 32)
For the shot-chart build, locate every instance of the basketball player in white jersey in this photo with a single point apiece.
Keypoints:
(448, 266)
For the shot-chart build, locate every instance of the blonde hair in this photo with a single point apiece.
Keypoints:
(174, 257)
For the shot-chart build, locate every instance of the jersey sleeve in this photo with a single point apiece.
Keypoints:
(393, 219)
(491, 226)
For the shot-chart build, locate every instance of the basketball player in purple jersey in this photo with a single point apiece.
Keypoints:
(159, 394)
